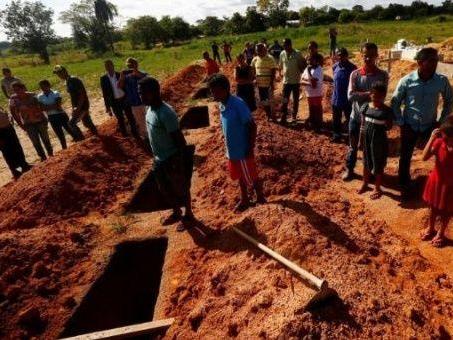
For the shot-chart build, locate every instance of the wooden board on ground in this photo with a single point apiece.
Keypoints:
(125, 332)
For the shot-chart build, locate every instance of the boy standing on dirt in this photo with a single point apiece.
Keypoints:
(239, 131)
(211, 66)
(171, 165)
(359, 88)
(265, 68)
(378, 119)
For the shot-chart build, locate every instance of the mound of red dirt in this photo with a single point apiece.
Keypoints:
(83, 179)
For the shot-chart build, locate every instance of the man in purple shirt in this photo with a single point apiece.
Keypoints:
(340, 104)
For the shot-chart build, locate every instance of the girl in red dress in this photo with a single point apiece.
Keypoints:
(439, 187)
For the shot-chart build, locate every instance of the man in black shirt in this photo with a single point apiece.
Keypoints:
(79, 101)
(215, 52)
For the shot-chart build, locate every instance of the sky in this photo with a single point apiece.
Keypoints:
(192, 10)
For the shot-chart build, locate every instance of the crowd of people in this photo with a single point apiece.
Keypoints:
(359, 95)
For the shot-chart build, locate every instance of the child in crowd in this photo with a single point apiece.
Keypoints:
(245, 77)
(239, 131)
(377, 119)
(211, 65)
(439, 187)
(312, 80)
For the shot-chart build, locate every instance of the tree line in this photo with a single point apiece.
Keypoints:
(29, 24)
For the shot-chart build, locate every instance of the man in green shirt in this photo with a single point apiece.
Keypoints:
(172, 162)
(291, 65)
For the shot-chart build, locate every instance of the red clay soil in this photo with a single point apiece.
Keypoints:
(46, 238)
(224, 288)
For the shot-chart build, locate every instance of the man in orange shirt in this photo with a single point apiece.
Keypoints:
(211, 65)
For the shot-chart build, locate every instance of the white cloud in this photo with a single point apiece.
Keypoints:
(192, 10)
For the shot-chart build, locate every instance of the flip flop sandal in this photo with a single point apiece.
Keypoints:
(427, 236)
(376, 195)
(438, 242)
(241, 207)
(181, 227)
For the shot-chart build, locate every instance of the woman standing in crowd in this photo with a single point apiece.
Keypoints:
(27, 112)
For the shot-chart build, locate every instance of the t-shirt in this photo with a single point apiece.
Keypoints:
(131, 88)
(291, 64)
(28, 108)
(117, 92)
(315, 73)
(341, 75)
(276, 50)
(264, 67)
(381, 114)
(6, 84)
(235, 117)
(243, 72)
(160, 123)
(215, 48)
(50, 99)
(211, 67)
(4, 119)
(75, 88)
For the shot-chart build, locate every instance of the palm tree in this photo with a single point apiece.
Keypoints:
(105, 12)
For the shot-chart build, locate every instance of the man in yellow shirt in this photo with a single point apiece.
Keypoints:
(264, 67)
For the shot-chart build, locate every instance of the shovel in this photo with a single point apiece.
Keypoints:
(320, 286)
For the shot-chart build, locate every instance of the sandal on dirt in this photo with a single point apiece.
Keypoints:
(376, 195)
(180, 227)
(261, 200)
(438, 242)
(241, 207)
(426, 236)
(172, 219)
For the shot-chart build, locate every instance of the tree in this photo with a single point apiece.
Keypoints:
(346, 16)
(236, 24)
(254, 21)
(87, 30)
(144, 30)
(276, 11)
(307, 15)
(105, 12)
(211, 25)
(29, 26)
(174, 28)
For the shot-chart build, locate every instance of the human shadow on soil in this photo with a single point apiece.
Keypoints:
(322, 223)
(334, 310)
(226, 240)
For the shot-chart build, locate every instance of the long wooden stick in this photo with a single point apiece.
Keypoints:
(125, 332)
(311, 279)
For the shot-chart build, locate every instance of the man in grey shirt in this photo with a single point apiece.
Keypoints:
(7, 81)
(360, 84)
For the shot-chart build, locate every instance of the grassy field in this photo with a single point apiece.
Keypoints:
(161, 62)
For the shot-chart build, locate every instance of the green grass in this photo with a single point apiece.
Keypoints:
(161, 62)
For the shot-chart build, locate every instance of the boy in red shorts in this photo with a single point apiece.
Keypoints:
(239, 131)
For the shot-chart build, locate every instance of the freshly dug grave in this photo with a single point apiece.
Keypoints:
(52, 239)
(225, 288)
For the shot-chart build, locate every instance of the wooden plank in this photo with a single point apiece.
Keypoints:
(125, 332)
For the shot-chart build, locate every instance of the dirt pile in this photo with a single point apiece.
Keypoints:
(84, 179)
(50, 249)
(177, 88)
(226, 289)
(445, 49)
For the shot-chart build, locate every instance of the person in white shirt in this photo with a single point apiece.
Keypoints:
(312, 80)
(115, 99)
(50, 101)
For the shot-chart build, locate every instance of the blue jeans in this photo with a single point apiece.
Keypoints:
(354, 135)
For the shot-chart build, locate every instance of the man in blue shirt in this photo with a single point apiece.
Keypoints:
(340, 104)
(419, 93)
(170, 152)
(239, 131)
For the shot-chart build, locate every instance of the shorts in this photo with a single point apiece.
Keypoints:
(243, 170)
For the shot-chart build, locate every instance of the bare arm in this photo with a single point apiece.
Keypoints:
(353, 93)
(428, 151)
